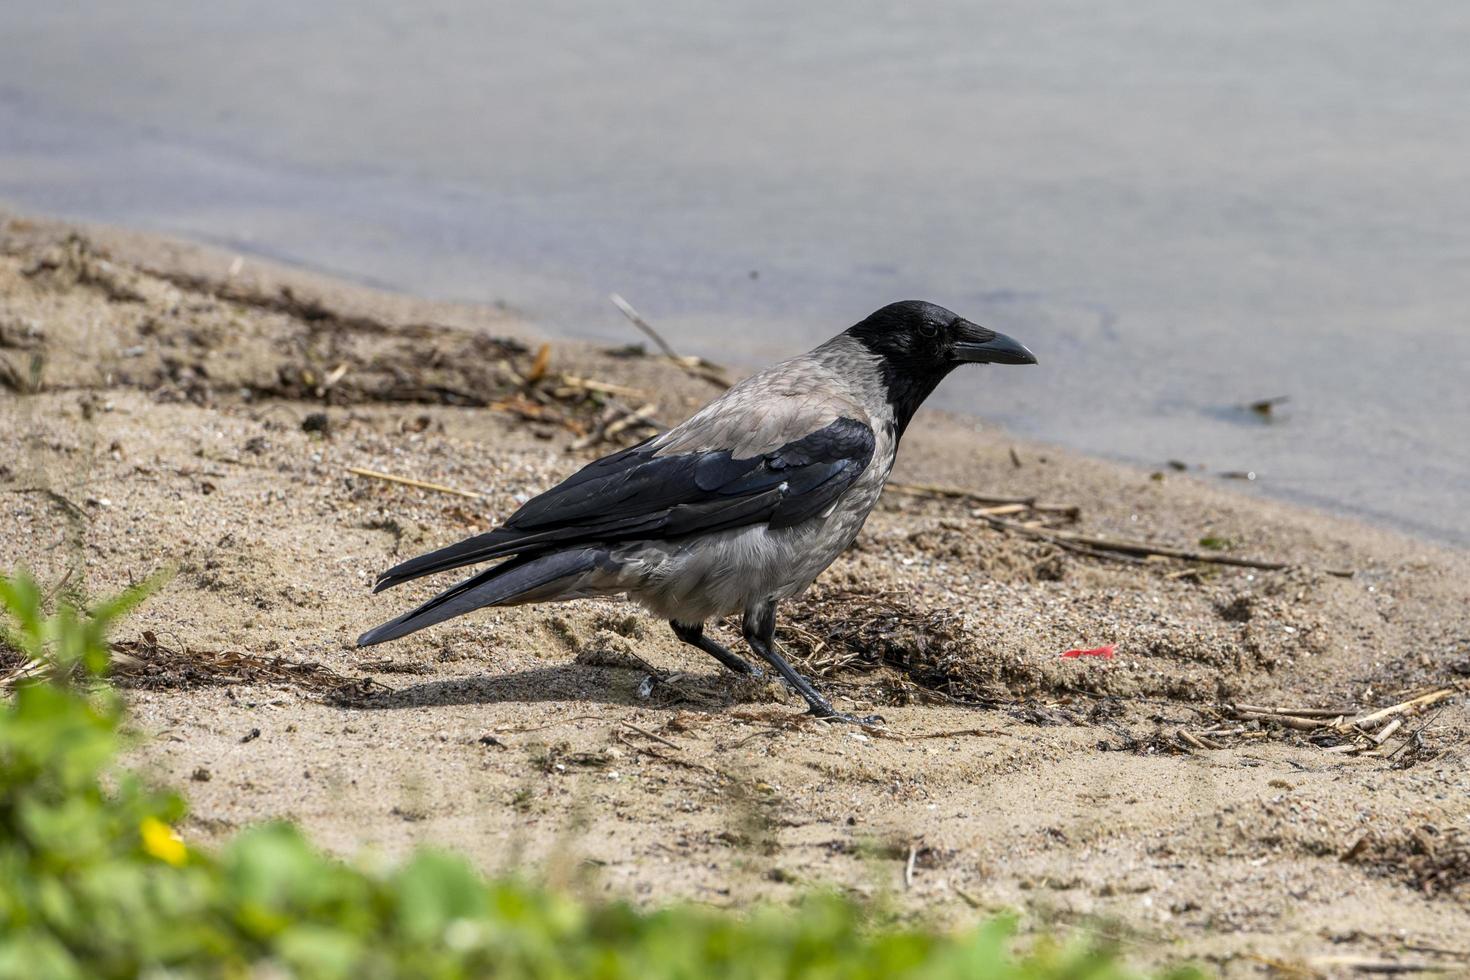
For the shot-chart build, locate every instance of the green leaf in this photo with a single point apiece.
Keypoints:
(22, 601)
(319, 950)
(434, 890)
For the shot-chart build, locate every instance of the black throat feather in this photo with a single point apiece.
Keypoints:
(907, 390)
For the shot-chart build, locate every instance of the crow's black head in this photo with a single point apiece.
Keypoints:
(918, 343)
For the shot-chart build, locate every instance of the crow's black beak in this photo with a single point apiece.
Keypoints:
(974, 344)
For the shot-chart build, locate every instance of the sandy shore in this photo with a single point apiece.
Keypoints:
(164, 405)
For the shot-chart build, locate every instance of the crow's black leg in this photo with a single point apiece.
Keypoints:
(760, 632)
(694, 636)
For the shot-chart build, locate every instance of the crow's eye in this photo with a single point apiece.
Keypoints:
(927, 330)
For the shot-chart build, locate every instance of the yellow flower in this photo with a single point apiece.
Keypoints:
(160, 841)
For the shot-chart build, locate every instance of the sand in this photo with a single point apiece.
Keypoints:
(164, 405)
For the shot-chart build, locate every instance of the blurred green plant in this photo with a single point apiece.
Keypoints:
(68, 641)
(94, 882)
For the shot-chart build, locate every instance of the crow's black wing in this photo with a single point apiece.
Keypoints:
(638, 494)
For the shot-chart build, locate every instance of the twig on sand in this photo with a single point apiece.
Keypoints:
(647, 734)
(1198, 741)
(542, 728)
(766, 733)
(955, 733)
(993, 508)
(1387, 730)
(908, 868)
(1341, 723)
(52, 592)
(1366, 964)
(636, 318)
(985, 500)
(1414, 735)
(1144, 549)
(1423, 700)
(663, 756)
(1282, 967)
(601, 387)
(149, 663)
(1299, 712)
(1002, 510)
(57, 498)
(1288, 721)
(539, 365)
(1117, 556)
(615, 419)
(966, 897)
(31, 668)
(638, 416)
(409, 482)
(696, 367)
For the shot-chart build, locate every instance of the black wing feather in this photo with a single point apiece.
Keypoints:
(636, 494)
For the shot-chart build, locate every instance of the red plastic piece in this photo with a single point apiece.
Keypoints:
(1104, 652)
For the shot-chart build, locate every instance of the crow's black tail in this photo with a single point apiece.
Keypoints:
(498, 543)
(534, 579)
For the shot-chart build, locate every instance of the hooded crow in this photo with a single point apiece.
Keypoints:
(741, 506)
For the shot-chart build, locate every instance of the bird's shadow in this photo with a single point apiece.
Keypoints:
(567, 682)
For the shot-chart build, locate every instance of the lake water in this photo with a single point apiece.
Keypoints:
(1181, 207)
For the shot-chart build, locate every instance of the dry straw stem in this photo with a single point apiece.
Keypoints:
(70, 506)
(1288, 721)
(615, 419)
(985, 500)
(694, 366)
(638, 416)
(1199, 741)
(966, 897)
(1388, 730)
(650, 735)
(1334, 965)
(539, 366)
(1422, 701)
(1143, 549)
(1189, 739)
(30, 668)
(541, 728)
(601, 387)
(953, 733)
(1003, 510)
(1334, 720)
(410, 482)
(1301, 712)
(663, 756)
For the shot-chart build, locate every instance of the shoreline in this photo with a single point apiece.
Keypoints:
(214, 260)
(189, 419)
(265, 274)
